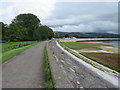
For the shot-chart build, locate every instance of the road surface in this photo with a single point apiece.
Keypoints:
(25, 70)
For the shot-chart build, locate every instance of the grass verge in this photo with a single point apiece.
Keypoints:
(11, 53)
(49, 80)
(14, 45)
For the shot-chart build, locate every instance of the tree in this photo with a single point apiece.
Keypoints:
(76, 36)
(16, 33)
(29, 21)
(43, 33)
(37, 35)
(4, 31)
(47, 33)
(26, 27)
(66, 35)
(56, 35)
(50, 33)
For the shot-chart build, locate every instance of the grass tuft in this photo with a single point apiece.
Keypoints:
(49, 80)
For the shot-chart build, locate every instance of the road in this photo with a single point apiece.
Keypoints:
(25, 70)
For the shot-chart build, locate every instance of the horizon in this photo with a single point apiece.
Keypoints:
(85, 32)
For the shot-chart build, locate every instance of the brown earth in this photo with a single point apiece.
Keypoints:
(112, 59)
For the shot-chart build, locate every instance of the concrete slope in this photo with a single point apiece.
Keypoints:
(80, 75)
(25, 70)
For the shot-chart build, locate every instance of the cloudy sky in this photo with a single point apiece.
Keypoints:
(66, 15)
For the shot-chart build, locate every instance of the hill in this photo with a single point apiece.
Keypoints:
(87, 35)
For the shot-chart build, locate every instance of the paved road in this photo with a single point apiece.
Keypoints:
(25, 70)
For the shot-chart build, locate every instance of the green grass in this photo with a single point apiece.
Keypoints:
(81, 45)
(12, 52)
(49, 80)
(13, 45)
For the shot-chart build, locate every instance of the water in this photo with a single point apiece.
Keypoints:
(114, 43)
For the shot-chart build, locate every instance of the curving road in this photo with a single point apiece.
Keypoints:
(25, 70)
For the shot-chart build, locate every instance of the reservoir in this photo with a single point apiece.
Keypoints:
(113, 42)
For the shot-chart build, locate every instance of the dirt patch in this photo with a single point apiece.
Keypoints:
(112, 59)
(93, 51)
(96, 42)
(110, 48)
(103, 49)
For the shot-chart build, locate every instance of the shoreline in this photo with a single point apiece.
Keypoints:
(87, 39)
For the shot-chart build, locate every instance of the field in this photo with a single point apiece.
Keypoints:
(13, 45)
(10, 49)
(104, 54)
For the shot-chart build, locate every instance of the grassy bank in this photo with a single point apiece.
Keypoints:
(49, 81)
(79, 45)
(105, 59)
(14, 49)
(14, 45)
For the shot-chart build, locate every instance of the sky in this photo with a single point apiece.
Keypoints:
(66, 15)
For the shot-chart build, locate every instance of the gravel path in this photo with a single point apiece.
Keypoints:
(25, 70)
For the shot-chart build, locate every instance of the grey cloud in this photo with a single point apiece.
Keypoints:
(84, 17)
(71, 21)
(97, 26)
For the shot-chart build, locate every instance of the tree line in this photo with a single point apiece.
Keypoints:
(26, 27)
(85, 35)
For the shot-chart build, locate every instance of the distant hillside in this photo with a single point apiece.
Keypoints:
(87, 35)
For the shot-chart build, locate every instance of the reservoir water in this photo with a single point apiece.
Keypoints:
(114, 42)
